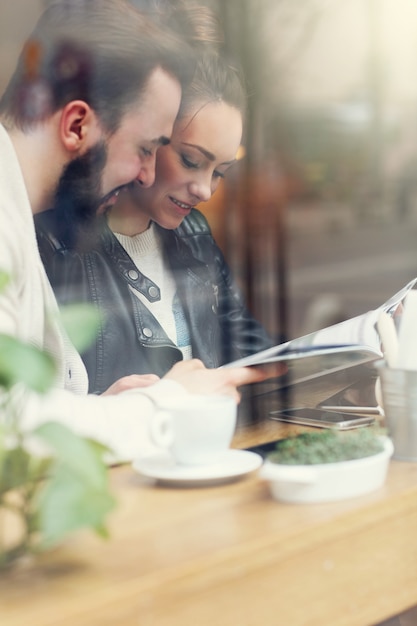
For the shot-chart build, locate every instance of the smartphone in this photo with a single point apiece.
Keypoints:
(322, 419)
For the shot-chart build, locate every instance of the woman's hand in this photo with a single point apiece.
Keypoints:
(134, 381)
(196, 378)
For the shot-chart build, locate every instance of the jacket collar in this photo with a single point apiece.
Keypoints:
(178, 253)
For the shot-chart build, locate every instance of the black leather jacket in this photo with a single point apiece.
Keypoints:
(131, 340)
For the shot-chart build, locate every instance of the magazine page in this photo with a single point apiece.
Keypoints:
(358, 332)
(355, 334)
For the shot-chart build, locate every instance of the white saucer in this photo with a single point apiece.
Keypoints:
(232, 464)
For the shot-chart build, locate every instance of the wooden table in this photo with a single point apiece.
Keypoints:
(229, 555)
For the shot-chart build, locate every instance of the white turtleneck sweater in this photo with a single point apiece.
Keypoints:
(28, 311)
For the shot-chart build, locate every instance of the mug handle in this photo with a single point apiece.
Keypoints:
(161, 429)
(378, 393)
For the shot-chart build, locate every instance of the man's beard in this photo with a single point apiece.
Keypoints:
(78, 196)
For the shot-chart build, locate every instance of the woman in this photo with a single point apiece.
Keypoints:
(152, 266)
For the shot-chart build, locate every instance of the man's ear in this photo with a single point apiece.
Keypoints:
(79, 127)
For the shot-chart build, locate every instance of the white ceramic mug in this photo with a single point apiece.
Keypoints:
(196, 429)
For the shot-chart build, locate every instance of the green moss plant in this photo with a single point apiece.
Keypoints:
(327, 446)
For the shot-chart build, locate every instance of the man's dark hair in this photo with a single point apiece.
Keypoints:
(99, 51)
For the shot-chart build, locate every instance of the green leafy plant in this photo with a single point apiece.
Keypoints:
(52, 481)
(328, 446)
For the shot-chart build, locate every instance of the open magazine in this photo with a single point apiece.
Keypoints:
(346, 345)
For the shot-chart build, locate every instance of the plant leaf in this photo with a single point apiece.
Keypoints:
(67, 503)
(14, 470)
(77, 492)
(81, 323)
(4, 279)
(81, 456)
(20, 362)
(3, 451)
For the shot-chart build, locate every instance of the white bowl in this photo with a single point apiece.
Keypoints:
(328, 482)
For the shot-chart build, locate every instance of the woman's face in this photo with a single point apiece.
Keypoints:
(203, 146)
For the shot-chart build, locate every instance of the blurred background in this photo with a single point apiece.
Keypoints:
(318, 220)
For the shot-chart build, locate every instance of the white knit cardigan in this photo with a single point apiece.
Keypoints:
(28, 311)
